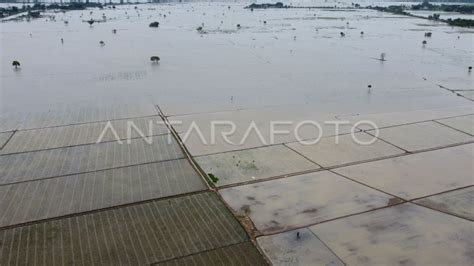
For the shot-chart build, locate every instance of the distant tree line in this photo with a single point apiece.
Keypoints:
(463, 9)
(267, 5)
(460, 22)
(402, 10)
(33, 10)
(443, 1)
(281, 5)
(398, 10)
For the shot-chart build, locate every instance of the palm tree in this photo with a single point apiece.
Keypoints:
(155, 59)
(16, 64)
(102, 43)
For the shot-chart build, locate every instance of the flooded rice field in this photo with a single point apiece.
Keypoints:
(278, 57)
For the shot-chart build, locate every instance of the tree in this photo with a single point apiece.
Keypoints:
(426, 3)
(155, 24)
(16, 64)
(461, 22)
(34, 14)
(155, 59)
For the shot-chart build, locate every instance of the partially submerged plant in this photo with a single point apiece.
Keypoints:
(213, 178)
(155, 59)
(16, 64)
(155, 24)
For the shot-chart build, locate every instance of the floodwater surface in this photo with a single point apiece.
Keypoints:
(297, 59)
